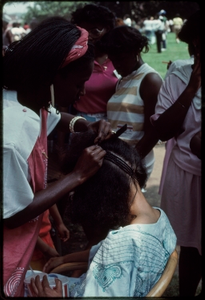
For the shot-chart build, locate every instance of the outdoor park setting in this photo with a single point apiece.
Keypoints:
(173, 52)
(100, 117)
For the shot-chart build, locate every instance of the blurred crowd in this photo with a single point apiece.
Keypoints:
(155, 28)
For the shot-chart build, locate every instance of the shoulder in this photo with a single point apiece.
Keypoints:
(151, 84)
(183, 72)
(21, 127)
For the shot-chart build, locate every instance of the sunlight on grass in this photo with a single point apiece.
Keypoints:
(174, 51)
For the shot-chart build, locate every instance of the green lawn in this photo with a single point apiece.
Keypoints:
(174, 51)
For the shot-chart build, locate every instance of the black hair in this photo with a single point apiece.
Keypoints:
(35, 60)
(191, 28)
(103, 201)
(93, 13)
(124, 39)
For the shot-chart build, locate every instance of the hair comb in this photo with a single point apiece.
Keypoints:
(120, 131)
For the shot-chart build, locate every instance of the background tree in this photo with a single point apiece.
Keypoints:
(43, 9)
(137, 10)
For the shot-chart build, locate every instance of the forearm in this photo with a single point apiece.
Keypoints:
(169, 123)
(147, 142)
(44, 199)
(54, 212)
(63, 125)
(41, 245)
(77, 256)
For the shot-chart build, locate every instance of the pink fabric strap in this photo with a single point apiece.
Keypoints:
(78, 49)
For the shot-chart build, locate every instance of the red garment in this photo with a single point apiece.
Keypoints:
(44, 234)
(99, 89)
(18, 243)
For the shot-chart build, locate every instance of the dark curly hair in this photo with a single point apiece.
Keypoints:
(124, 39)
(103, 201)
(93, 13)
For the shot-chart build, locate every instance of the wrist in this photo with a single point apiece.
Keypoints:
(78, 124)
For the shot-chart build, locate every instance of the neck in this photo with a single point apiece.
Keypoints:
(138, 64)
(34, 100)
(144, 213)
(101, 59)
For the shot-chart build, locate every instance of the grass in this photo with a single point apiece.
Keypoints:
(174, 51)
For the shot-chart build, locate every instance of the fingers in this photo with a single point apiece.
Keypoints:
(96, 151)
(102, 127)
(46, 267)
(34, 289)
(104, 132)
(58, 287)
(37, 287)
(66, 236)
(45, 283)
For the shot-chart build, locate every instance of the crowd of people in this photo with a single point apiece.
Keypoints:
(84, 83)
(157, 27)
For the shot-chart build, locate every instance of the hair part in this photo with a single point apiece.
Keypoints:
(103, 201)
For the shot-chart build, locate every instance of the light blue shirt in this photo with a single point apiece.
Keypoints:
(128, 262)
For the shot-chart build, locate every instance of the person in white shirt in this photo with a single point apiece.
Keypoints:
(52, 61)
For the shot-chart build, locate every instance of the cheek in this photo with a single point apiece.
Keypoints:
(65, 91)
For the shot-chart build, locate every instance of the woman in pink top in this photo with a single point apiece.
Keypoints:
(178, 115)
(55, 53)
(91, 104)
(97, 20)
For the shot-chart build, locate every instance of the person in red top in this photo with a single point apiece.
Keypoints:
(45, 248)
(97, 20)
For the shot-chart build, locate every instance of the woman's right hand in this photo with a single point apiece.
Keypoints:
(52, 263)
(89, 162)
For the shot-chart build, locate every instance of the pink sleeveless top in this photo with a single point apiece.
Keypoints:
(19, 243)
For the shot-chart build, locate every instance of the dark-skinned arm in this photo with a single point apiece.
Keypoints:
(81, 256)
(87, 165)
(170, 122)
(149, 90)
(101, 127)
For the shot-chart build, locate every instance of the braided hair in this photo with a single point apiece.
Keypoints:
(103, 201)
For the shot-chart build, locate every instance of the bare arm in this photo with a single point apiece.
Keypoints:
(169, 123)
(46, 249)
(87, 165)
(149, 90)
(63, 231)
(81, 256)
(102, 128)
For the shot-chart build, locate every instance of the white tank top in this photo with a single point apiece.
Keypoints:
(127, 107)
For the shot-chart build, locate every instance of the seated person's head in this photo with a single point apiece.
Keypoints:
(103, 201)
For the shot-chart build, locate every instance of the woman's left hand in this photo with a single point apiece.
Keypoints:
(42, 288)
(103, 129)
